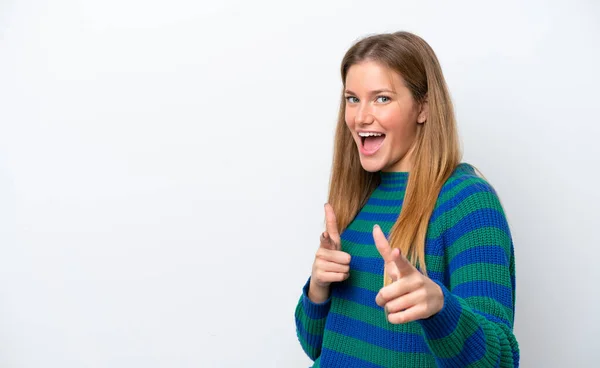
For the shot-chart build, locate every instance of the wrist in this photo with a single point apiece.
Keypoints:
(317, 293)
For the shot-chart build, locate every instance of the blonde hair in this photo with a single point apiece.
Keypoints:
(437, 149)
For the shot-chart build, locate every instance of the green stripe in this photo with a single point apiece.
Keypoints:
(360, 250)
(366, 226)
(492, 344)
(380, 194)
(453, 216)
(463, 330)
(366, 280)
(435, 263)
(481, 271)
(467, 241)
(450, 194)
(490, 306)
(473, 202)
(314, 326)
(374, 317)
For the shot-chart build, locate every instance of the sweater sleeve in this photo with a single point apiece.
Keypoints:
(474, 328)
(310, 323)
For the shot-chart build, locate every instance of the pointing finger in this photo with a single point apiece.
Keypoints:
(331, 225)
(326, 241)
(389, 258)
(403, 265)
(382, 244)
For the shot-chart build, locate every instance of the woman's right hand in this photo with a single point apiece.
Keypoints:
(331, 264)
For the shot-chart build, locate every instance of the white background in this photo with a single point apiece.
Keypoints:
(163, 169)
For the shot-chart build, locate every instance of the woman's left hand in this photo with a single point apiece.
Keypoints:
(411, 295)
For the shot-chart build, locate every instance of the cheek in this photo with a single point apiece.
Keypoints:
(400, 124)
(393, 121)
(349, 118)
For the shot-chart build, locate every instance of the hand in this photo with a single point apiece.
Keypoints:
(331, 264)
(411, 295)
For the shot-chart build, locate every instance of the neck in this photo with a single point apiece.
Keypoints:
(394, 178)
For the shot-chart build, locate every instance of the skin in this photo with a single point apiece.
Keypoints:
(412, 295)
(372, 105)
(396, 114)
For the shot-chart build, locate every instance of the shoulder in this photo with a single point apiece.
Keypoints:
(466, 191)
(465, 175)
(474, 215)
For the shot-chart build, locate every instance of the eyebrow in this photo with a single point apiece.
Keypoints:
(377, 91)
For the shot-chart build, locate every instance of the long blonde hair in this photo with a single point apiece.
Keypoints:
(437, 149)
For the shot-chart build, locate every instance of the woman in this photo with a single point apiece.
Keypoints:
(441, 291)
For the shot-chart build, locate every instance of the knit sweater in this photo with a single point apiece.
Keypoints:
(468, 253)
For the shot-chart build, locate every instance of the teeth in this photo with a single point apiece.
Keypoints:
(369, 134)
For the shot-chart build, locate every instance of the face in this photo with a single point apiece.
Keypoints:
(383, 123)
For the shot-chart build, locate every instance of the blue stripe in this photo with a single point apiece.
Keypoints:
(369, 216)
(367, 264)
(516, 357)
(357, 295)
(457, 180)
(449, 315)
(359, 237)
(489, 254)
(492, 318)
(486, 289)
(394, 177)
(434, 247)
(391, 340)
(484, 217)
(513, 280)
(374, 266)
(392, 181)
(498, 361)
(449, 185)
(398, 189)
(385, 202)
(314, 310)
(435, 275)
(463, 194)
(330, 358)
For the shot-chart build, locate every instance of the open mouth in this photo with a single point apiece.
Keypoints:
(371, 141)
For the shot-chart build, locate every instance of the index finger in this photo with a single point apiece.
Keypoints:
(387, 253)
(331, 224)
(382, 244)
(395, 262)
(403, 265)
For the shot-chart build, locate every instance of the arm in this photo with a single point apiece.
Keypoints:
(310, 322)
(331, 265)
(475, 325)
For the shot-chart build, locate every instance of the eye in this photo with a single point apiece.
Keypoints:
(348, 99)
(387, 99)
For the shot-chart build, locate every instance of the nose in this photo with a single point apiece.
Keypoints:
(363, 115)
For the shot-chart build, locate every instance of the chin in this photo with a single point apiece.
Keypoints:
(371, 165)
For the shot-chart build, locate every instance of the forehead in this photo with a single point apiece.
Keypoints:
(370, 75)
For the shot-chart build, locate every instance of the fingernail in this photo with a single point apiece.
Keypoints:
(375, 226)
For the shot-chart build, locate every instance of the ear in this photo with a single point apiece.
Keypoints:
(423, 111)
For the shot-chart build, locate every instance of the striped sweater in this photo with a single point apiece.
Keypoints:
(468, 252)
